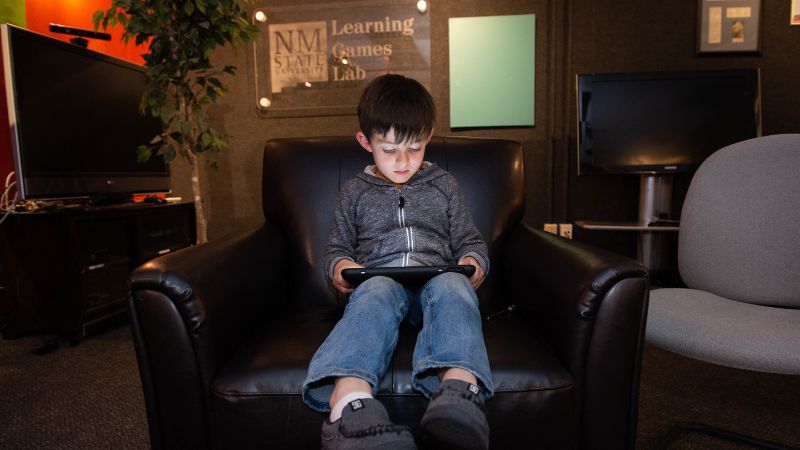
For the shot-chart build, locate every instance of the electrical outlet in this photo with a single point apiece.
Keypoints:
(551, 228)
(565, 230)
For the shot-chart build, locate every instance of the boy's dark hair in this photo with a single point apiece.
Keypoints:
(395, 102)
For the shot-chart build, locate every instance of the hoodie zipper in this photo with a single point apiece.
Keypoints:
(401, 219)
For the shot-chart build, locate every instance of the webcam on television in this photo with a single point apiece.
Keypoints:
(80, 34)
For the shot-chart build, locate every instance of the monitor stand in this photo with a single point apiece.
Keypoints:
(653, 246)
(655, 201)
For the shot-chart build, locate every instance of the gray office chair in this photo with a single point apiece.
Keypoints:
(739, 255)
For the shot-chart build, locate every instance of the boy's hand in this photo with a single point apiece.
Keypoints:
(477, 277)
(340, 283)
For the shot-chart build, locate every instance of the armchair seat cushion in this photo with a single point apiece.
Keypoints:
(274, 362)
(269, 371)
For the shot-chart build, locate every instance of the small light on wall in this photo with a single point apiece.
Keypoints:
(307, 84)
(264, 102)
(260, 16)
(345, 61)
(422, 6)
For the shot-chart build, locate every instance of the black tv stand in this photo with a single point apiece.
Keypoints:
(65, 271)
(101, 200)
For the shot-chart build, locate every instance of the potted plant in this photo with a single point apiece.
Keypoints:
(182, 83)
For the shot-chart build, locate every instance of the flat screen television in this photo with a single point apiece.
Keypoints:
(75, 121)
(663, 122)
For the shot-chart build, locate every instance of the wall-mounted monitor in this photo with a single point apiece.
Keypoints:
(663, 122)
(75, 120)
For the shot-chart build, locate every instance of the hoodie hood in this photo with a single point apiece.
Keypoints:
(427, 172)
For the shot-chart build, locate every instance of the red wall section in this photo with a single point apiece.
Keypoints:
(78, 13)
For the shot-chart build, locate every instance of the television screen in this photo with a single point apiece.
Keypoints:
(75, 120)
(663, 122)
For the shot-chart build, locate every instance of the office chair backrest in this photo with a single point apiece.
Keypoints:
(740, 224)
(303, 175)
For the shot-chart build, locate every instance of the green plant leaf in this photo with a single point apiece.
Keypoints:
(143, 153)
(122, 19)
(97, 17)
(205, 139)
(211, 93)
(177, 136)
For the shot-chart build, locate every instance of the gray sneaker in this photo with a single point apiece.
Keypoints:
(365, 424)
(456, 417)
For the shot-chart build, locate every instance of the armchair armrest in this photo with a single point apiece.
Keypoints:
(591, 306)
(189, 311)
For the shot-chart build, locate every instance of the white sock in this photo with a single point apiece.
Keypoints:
(336, 411)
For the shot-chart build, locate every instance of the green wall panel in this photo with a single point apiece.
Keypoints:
(492, 71)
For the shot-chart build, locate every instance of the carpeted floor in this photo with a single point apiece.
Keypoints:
(83, 397)
(89, 397)
(677, 389)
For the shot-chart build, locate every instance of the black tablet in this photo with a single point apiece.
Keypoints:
(414, 274)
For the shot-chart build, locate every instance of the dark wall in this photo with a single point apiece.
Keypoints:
(572, 36)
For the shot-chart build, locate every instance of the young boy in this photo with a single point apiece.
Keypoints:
(402, 211)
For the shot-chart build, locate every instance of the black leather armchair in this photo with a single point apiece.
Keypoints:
(224, 331)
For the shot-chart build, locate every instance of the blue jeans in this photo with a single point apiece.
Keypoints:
(363, 341)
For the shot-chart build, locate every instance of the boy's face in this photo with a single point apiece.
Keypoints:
(397, 161)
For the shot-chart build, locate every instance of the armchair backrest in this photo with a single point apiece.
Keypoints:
(303, 175)
(739, 224)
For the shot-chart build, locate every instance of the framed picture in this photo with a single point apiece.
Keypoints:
(794, 15)
(728, 26)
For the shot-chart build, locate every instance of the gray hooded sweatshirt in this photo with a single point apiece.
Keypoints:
(424, 222)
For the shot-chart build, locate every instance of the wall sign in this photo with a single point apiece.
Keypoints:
(314, 60)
